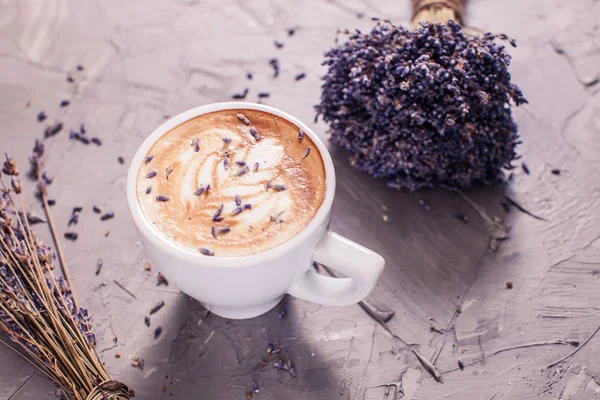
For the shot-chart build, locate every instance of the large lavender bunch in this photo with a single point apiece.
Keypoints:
(38, 311)
(422, 108)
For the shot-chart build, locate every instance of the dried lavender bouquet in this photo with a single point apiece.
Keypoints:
(429, 107)
(38, 310)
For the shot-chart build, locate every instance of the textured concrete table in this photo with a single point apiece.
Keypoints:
(146, 60)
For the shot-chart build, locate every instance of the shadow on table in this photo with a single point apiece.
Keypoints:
(433, 241)
(210, 357)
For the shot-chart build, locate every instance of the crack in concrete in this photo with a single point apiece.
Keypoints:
(12, 396)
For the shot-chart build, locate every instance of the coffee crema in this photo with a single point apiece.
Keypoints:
(231, 183)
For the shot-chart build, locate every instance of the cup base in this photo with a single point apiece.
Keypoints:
(242, 313)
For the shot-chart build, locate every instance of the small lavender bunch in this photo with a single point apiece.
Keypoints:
(38, 310)
(423, 108)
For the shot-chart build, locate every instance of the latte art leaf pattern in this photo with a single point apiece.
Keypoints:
(252, 176)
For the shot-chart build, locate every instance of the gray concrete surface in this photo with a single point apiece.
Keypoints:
(145, 60)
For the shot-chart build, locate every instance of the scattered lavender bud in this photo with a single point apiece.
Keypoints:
(240, 96)
(282, 314)
(196, 144)
(65, 103)
(41, 116)
(236, 211)
(241, 171)
(249, 76)
(268, 185)
(206, 252)
(506, 205)
(461, 217)
(96, 141)
(300, 76)
(255, 388)
(162, 198)
(300, 135)
(33, 218)
(107, 216)
(199, 191)
(306, 152)
(149, 158)
(525, 168)
(147, 321)
(227, 140)
(77, 209)
(79, 67)
(275, 64)
(208, 187)
(219, 211)
(247, 206)
(276, 218)
(96, 209)
(263, 95)
(243, 118)
(270, 348)
(225, 162)
(216, 232)
(47, 179)
(157, 307)
(70, 79)
(555, 172)
(71, 236)
(157, 332)
(82, 129)
(16, 185)
(461, 365)
(121, 160)
(279, 187)
(255, 166)
(84, 139)
(254, 134)
(99, 265)
(74, 219)
(138, 363)
(151, 174)
(217, 218)
(425, 206)
(278, 44)
(291, 31)
(148, 189)
(241, 163)
(168, 171)
(53, 130)
(279, 364)
(291, 368)
(51, 202)
(161, 280)
(238, 200)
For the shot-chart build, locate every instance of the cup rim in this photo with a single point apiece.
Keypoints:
(188, 255)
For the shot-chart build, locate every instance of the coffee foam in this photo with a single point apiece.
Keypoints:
(278, 199)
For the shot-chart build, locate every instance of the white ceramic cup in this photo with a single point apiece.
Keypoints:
(245, 287)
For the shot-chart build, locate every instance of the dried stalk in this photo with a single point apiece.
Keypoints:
(439, 11)
(39, 311)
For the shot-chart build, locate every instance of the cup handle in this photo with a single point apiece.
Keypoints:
(362, 267)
